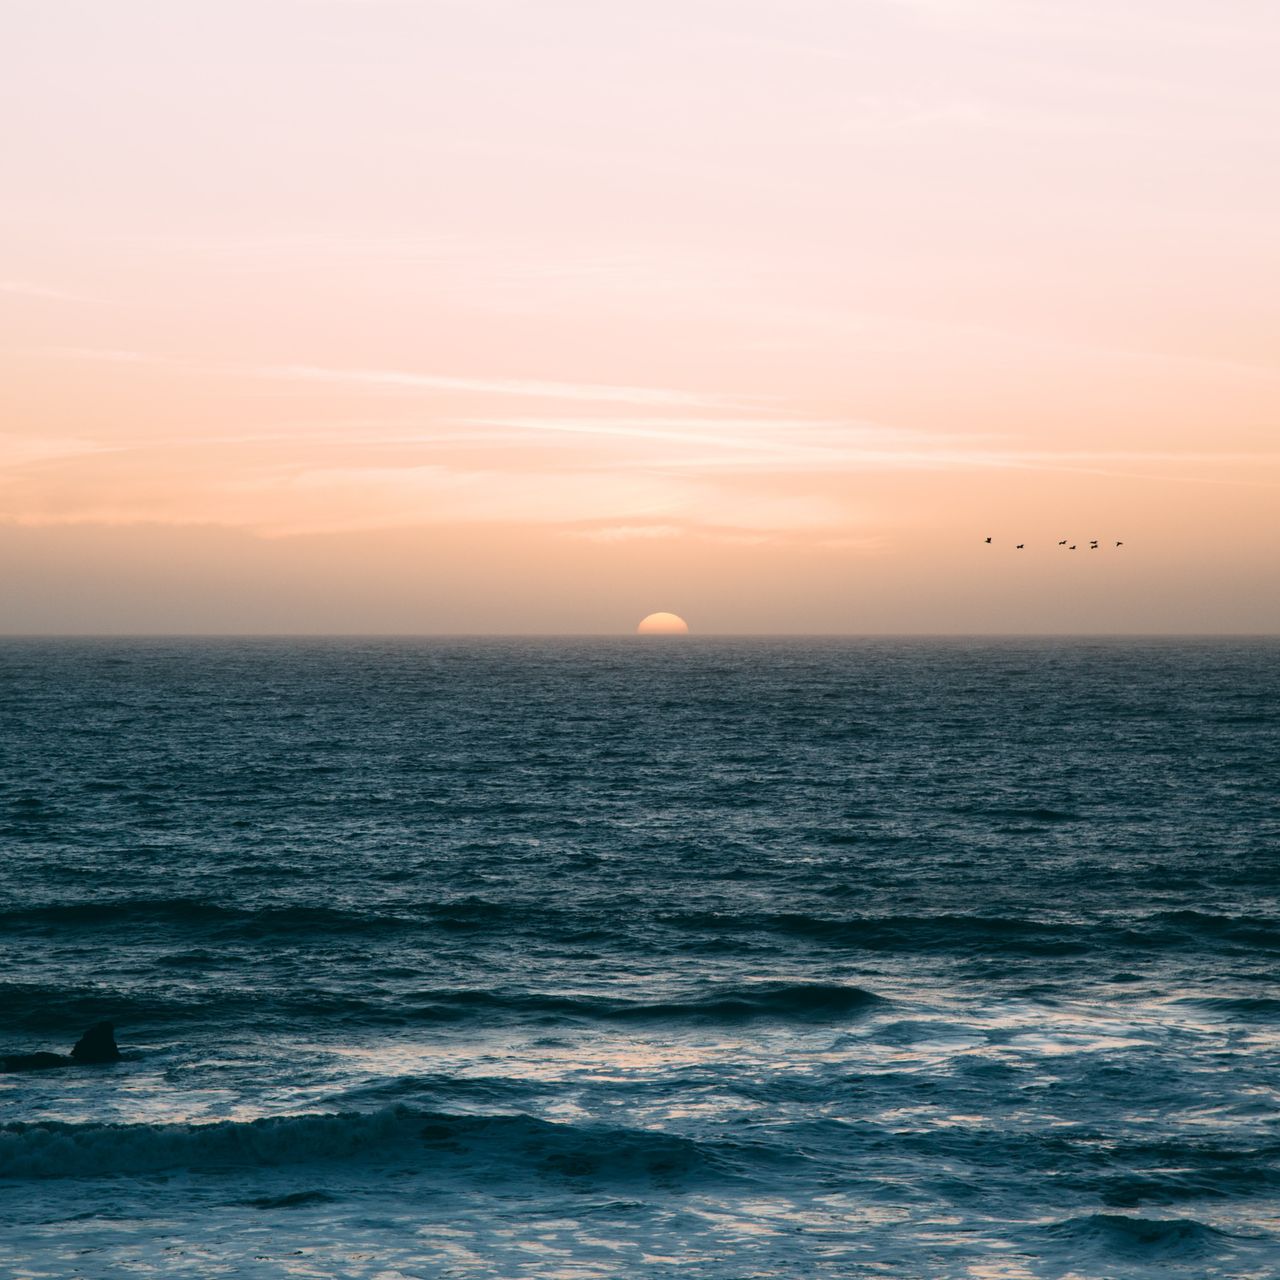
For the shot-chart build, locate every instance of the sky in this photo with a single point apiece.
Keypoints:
(538, 316)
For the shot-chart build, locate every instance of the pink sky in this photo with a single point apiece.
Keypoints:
(517, 316)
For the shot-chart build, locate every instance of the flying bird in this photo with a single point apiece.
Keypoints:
(1119, 544)
(1062, 543)
(1072, 547)
(987, 540)
(1021, 545)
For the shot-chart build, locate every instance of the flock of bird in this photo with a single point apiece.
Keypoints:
(1062, 542)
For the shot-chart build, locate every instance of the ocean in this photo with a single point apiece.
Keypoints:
(564, 959)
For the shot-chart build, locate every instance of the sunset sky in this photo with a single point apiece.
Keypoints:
(538, 316)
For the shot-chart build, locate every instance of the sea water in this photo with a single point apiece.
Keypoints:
(595, 958)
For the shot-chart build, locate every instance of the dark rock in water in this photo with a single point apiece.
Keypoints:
(98, 1044)
(34, 1061)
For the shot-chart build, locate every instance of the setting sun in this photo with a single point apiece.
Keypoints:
(662, 624)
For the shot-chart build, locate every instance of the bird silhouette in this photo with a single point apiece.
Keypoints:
(987, 540)
(1119, 544)
(1072, 547)
(1021, 545)
(1062, 543)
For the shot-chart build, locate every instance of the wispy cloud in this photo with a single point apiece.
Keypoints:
(394, 379)
(332, 498)
(26, 289)
(812, 445)
(780, 434)
(19, 451)
(109, 355)
(627, 532)
(1095, 20)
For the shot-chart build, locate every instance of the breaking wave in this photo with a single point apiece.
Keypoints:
(1142, 1238)
(494, 1144)
(803, 1001)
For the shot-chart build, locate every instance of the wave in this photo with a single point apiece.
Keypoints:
(198, 919)
(35, 1009)
(189, 912)
(1136, 1237)
(1174, 1171)
(803, 1000)
(491, 1144)
(904, 933)
(992, 934)
(294, 1200)
(253, 923)
(38, 1009)
(800, 1001)
(1250, 931)
(1225, 1181)
(1241, 1008)
(52, 1149)
(1028, 813)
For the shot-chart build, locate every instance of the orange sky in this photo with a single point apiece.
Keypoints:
(503, 316)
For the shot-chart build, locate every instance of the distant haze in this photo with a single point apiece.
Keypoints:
(432, 316)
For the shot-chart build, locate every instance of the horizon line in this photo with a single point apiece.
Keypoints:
(632, 635)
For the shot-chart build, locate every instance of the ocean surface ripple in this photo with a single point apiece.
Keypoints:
(568, 959)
